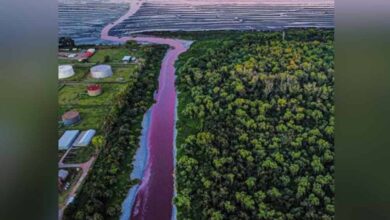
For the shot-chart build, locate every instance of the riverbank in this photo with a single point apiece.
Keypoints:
(139, 164)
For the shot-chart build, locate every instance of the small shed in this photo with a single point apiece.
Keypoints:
(63, 174)
(85, 138)
(126, 59)
(67, 139)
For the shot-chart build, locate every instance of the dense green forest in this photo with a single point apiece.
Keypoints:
(256, 126)
(108, 183)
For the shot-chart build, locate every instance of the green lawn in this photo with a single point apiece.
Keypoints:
(67, 61)
(92, 117)
(115, 55)
(77, 95)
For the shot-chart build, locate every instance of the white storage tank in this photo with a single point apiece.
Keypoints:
(101, 71)
(65, 71)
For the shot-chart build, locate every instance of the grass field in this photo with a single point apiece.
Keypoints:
(77, 95)
(115, 55)
(92, 117)
(67, 61)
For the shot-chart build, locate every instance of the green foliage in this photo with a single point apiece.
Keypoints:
(256, 126)
(106, 59)
(98, 142)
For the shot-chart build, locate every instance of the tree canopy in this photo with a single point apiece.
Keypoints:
(256, 127)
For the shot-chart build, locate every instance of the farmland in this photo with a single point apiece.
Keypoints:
(83, 21)
(221, 15)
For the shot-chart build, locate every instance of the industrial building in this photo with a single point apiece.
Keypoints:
(71, 117)
(85, 138)
(101, 71)
(65, 71)
(67, 139)
(94, 90)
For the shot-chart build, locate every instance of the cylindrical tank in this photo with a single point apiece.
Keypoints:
(65, 71)
(70, 117)
(94, 90)
(101, 71)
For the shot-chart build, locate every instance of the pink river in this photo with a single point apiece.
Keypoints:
(154, 199)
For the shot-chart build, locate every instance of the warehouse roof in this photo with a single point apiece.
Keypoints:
(84, 138)
(67, 139)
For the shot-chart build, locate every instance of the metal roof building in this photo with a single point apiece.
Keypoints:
(63, 174)
(85, 138)
(126, 58)
(67, 139)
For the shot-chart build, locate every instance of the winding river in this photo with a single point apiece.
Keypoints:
(154, 196)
